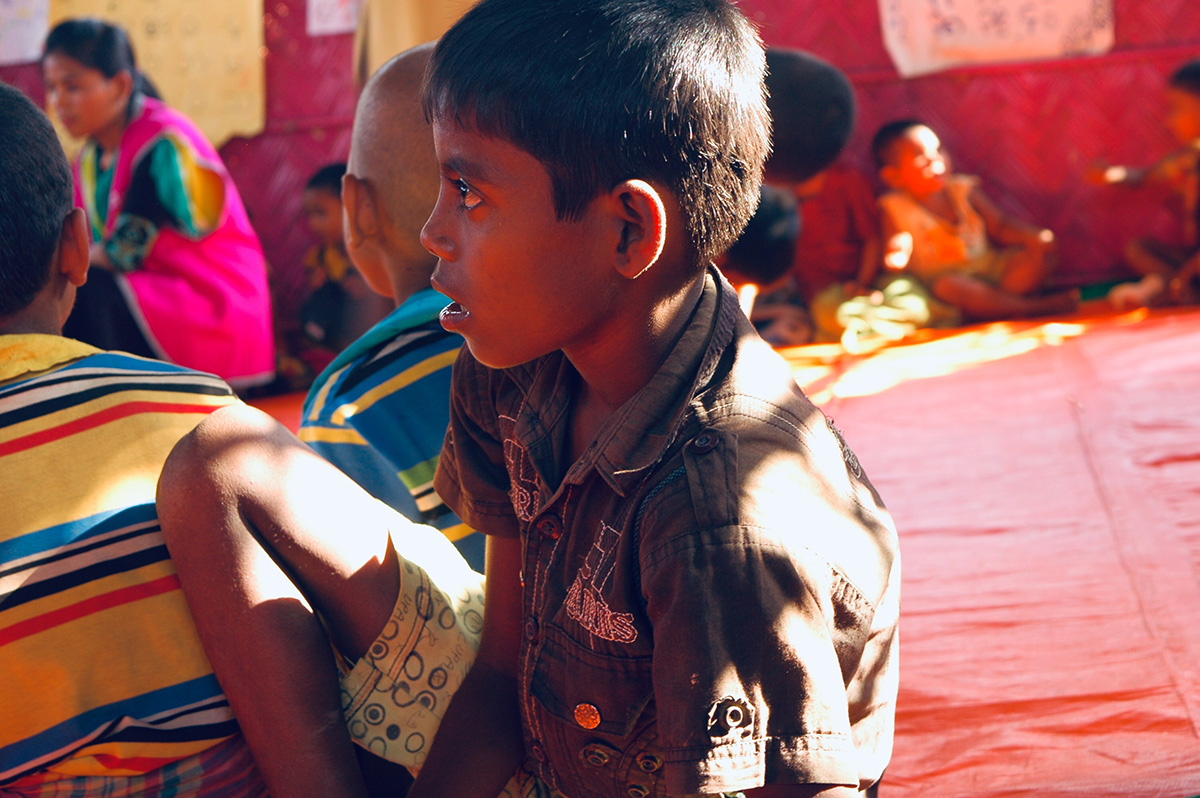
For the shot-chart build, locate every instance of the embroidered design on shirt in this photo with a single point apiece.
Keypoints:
(586, 604)
(523, 485)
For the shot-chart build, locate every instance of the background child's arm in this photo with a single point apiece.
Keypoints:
(868, 268)
(897, 244)
(1008, 231)
(479, 744)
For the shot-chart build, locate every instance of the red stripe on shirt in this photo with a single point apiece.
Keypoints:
(97, 419)
(115, 598)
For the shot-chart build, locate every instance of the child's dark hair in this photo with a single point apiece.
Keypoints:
(887, 136)
(600, 91)
(327, 178)
(1187, 78)
(99, 45)
(764, 252)
(812, 112)
(35, 197)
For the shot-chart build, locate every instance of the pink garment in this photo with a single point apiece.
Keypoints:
(202, 302)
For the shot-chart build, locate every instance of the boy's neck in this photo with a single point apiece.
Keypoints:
(614, 369)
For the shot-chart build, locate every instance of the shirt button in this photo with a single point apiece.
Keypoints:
(596, 755)
(648, 762)
(638, 791)
(531, 630)
(705, 442)
(537, 752)
(549, 526)
(587, 716)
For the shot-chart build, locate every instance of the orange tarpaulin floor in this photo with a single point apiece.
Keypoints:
(1045, 481)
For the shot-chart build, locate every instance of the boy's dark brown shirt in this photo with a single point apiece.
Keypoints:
(711, 591)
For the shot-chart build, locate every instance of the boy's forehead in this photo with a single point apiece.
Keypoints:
(484, 158)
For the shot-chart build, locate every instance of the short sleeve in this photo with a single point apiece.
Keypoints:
(864, 213)
(472, 475)
(747, 677)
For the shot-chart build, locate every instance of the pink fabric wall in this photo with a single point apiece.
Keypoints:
(1028, 130)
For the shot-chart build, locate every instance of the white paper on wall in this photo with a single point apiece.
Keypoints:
(332, 16)
(23, 28)
(925, 36)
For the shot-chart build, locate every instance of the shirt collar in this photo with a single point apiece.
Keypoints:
(633, 440)
(31, 353)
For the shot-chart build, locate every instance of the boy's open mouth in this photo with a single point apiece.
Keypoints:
(453, 315)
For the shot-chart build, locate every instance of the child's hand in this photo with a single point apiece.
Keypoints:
(1102, 173)
(898, 252)
(1041, 240)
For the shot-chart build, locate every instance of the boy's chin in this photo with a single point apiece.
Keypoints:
(494, 358)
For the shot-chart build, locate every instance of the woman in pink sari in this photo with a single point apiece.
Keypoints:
(182, 275)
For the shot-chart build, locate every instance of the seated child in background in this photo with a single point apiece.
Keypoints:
(104, 686)
(658, 620)
(340, 306)
(838, 252)
(1170, 272)
(941, 229)
(760, 258)
(379, 411)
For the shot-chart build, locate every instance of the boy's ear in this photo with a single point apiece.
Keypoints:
(73, 243)
(360, 215)
(641, 226)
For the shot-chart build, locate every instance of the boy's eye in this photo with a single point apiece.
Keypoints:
(469, 198)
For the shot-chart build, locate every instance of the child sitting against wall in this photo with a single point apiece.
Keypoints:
(340, 306)
(941, 229)
(1170, 272)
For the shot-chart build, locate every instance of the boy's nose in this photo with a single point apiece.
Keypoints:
(435, 242)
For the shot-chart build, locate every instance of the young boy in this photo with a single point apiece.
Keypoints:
(379, 411)
(1169, 272)
(691, 586)
(942, 229)
(104, 686)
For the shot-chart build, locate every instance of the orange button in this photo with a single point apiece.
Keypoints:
(587, 716)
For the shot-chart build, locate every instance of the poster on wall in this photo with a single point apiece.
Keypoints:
(924, 36)
(332, 16)
(23, 27)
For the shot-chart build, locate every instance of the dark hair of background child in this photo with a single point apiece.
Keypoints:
(887, 135)
(327, 178)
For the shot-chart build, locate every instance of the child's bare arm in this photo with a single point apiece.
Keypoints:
(897, 244)
(479, 744)
(1006, 230)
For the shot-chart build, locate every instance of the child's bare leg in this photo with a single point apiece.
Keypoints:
(1025, 271)
(1146, 258)
(980, 301)
(261, 529)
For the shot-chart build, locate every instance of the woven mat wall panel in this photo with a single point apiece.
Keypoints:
(1028, 130)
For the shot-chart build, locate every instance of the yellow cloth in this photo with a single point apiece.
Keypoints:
(389, 27)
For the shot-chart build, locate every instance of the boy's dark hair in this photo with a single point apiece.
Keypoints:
(600, 91)
(328, 178)
(102, 46)
(812, 112)
(887, 136)
(1187, 78)
(766, 248)
(35, 197)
